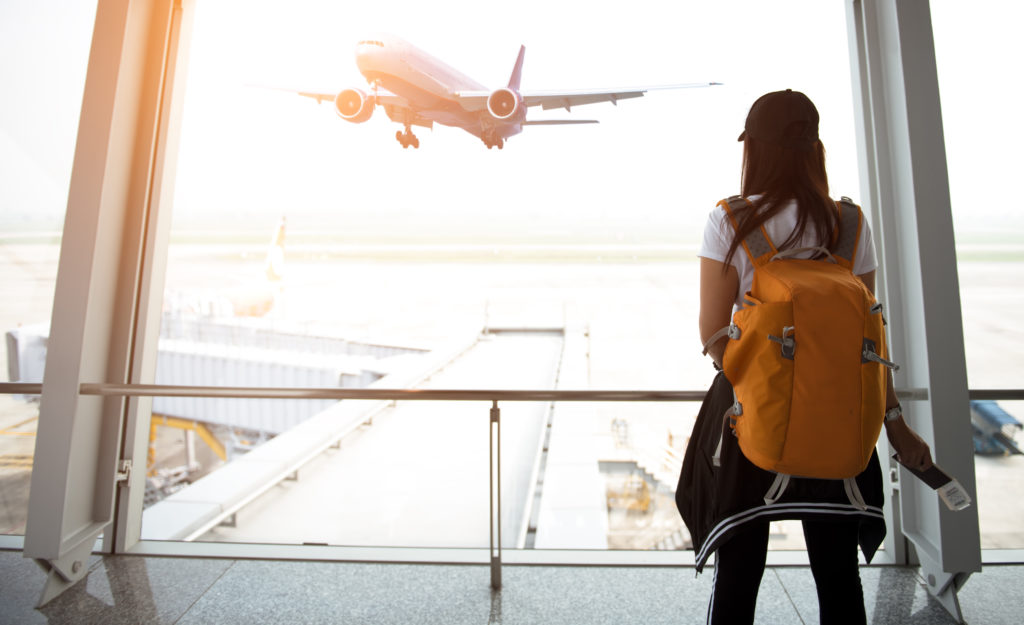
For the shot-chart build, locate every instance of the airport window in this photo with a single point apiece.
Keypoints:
(307, 250)
(318, 241)
(989, 235)
(42, 60)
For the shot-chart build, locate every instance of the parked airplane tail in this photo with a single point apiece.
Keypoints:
(274, 266)
(517, 71)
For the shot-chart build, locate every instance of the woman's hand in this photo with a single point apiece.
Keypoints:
(910, 448)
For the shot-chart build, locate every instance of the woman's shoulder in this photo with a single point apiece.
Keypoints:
(718, 220)
(717, 235)
(717, 213)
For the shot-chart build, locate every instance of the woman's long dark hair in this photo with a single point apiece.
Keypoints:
(780, 174)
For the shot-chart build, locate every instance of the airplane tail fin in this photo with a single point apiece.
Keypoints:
(517, 71)
(275, 255)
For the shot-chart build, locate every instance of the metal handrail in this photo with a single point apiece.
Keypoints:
(20, 388)
(1009, 394)
(493, 396)
(158, 390)
(253, 392)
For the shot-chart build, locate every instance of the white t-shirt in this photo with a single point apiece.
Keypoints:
(718, 233)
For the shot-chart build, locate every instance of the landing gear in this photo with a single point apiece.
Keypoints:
(407, 138)
(491, 141)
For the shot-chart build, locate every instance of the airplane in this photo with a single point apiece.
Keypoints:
(248, 295)
(416, 89)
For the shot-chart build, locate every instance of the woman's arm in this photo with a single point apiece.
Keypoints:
(719, 284)
(910, 447)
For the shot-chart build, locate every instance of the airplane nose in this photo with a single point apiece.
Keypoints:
(365, 53)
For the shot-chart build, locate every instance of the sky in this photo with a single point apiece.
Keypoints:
(663, 160)
(650, 171)
(44, 49)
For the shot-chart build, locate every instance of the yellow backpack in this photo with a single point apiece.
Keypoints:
(806, 359)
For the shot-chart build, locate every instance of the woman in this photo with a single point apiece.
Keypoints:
(785, 182)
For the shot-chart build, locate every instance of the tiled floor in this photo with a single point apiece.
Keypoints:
(130, 589)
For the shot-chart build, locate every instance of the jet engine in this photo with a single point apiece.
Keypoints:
(353, 106)
(504, 103)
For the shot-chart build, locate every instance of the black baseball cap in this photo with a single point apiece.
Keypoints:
(783, 118)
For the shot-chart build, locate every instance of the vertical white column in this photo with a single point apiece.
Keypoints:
(100, 282)
(153, 269)
(906, 189)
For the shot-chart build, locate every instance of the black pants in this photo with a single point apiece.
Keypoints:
(832, 550)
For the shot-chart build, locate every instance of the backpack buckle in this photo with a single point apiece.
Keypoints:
(787, 341)
(870, 354)
(877, 308)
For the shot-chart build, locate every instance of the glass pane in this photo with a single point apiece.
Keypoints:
(414, 474)
(974, 46)
(310, 251)
(43, 54)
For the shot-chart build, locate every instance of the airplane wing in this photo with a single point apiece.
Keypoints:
(383, 97)
(319, 96)
(396, 107)
(473, 100)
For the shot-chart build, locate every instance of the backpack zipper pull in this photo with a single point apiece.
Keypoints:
(787, 341)
(870, 355)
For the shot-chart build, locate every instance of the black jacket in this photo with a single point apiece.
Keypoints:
(716, 501)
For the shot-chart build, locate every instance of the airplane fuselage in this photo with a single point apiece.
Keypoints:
(416, 89)
(429, 85)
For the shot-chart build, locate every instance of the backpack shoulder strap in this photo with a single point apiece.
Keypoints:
(847, 237)
(757, 244)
